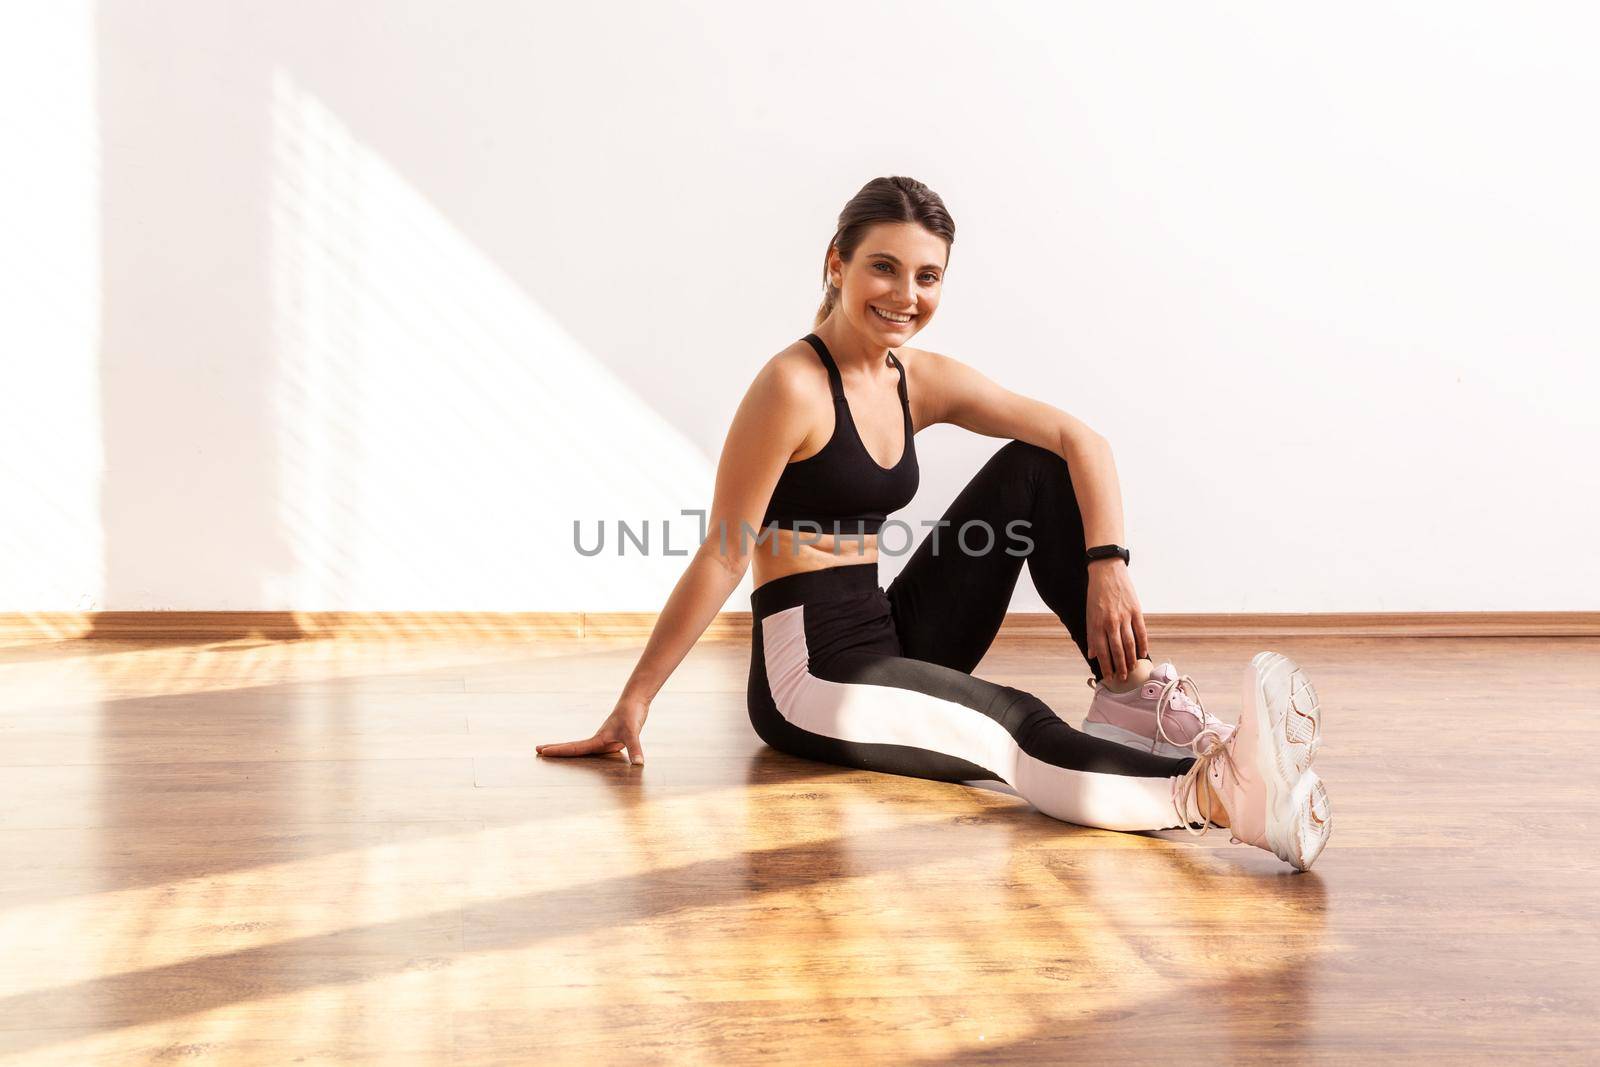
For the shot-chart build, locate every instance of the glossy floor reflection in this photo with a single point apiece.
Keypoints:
(345, 851)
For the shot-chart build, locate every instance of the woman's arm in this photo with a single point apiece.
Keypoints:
(955, 393)
(768, 427)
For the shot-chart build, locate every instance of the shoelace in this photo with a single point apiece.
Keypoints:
(1181, 688)
(1193, 781)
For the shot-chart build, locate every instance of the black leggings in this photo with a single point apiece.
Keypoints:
(846, 673)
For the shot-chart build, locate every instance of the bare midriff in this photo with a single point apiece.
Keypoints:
(786, 552)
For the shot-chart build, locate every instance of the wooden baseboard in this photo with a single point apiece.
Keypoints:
(17, 627)
(1345, 624)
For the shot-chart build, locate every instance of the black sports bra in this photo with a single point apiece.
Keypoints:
(841, 488)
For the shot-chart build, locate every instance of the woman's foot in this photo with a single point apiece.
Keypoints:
(1163, 715)
(1262, 771)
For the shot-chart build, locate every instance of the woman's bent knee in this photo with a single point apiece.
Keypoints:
(1022, 456)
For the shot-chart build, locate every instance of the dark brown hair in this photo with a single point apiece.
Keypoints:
(883, 200)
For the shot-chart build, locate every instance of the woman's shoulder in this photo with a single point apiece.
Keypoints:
(921, 363)
(793, 373)
(790, 383)
(909, 355)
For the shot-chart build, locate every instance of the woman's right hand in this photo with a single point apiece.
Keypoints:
(620, 730)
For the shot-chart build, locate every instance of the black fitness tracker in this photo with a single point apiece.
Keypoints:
(1107, 552)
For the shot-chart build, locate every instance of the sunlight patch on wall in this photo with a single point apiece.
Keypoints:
(440, 430)
(51, 454)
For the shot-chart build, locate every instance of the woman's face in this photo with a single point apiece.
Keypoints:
(898, 271)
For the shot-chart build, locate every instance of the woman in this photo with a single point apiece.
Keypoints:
(822, 449)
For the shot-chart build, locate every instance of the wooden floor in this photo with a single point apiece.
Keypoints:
(325, 851)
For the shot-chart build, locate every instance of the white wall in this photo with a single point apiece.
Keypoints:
(358, 306)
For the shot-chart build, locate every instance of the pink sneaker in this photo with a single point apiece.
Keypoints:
(1262, 773)
(1164, 715)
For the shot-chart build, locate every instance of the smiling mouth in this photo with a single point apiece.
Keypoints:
(889, 316)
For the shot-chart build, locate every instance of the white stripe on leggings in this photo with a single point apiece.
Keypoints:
(889, 715)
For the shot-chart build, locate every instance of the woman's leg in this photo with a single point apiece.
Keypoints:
(823, 686)
(952, 595)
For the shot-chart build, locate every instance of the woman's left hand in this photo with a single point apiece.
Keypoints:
(1116, 624)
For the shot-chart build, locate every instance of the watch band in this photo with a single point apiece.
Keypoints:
(1108, 552)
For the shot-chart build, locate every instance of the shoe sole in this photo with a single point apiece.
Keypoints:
(1288, 720)
(1132, 740)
